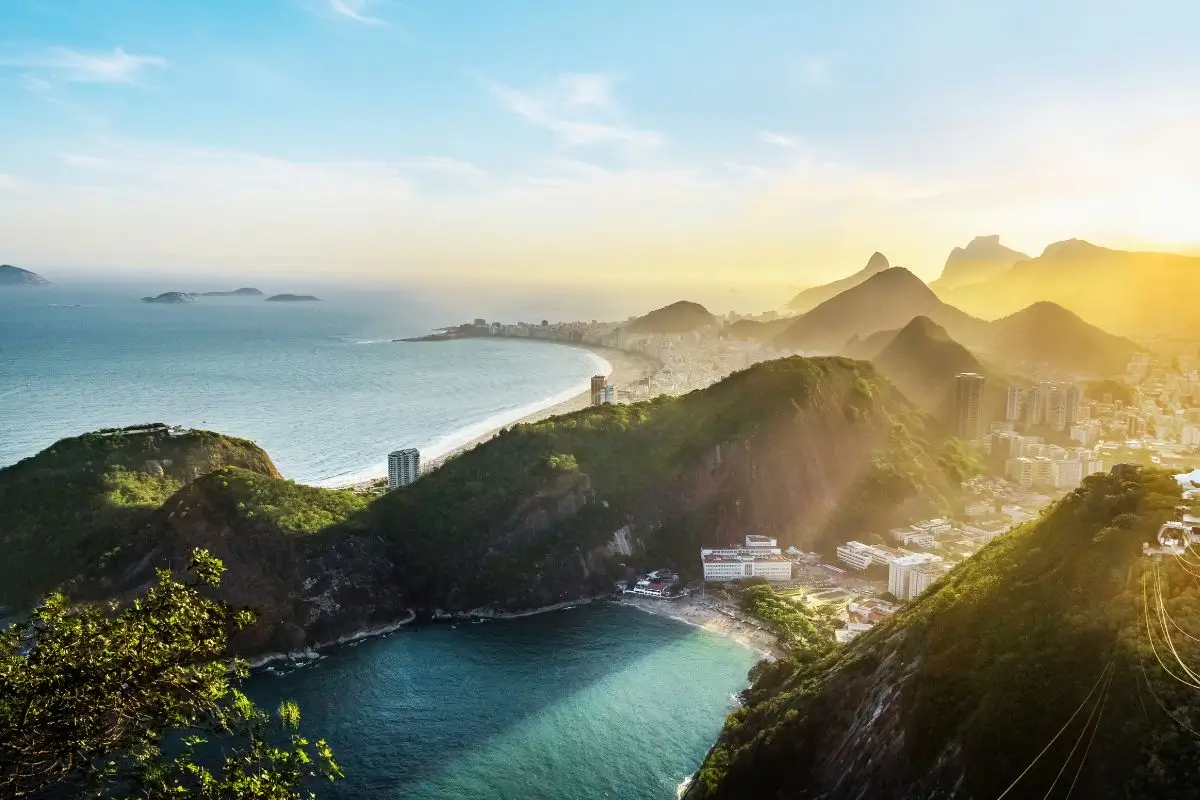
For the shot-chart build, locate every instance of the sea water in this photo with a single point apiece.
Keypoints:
(598, 702)
(321, 386)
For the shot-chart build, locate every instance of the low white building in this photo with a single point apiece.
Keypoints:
(913, 535)
(759, 557)
(860, 556)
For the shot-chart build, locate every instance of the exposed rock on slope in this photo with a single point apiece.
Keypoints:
(956, 695)
(982, 259)
(808, 450)
(811, 298)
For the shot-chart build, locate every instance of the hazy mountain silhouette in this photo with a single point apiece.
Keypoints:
(811, 298)
(922, 360)
(1129, 292)
(885, 301)
(679, 317)
(1049, 335)
(982, 259)
(754, 330)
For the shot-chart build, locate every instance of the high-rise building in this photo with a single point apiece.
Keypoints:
(1035, 405)
(598, 384)
(404, 467)
(969, 404)
(1015, 404)
(1073, 401)
(608, 395)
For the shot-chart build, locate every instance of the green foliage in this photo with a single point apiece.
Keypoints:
(63, 510)
(981, 671)
(88, 694)
(285, 505)
(960, 460)
(800, 627)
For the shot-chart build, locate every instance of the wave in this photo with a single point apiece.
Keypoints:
(464, 436)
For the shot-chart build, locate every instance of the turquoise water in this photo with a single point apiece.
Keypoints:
(597, 702)
(321, 386)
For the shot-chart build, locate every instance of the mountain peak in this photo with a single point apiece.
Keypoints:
(982, 259)
(923, 326)
(811, 298)
(876, 263)
(15, 276)
(1074, 249)
(678, 317)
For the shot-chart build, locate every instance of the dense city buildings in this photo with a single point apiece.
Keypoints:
(404, 467)
(968, 406)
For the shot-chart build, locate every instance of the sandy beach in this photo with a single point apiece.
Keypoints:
(627, 369)
(711, 616)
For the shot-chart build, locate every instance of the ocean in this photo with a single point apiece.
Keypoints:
(601, 702)
(321, 386)
(596, 702)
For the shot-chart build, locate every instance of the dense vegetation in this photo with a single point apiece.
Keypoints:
(806, 631)
(611, 461)
(810, 450)
(64, 509)
(89, 695)
(961, 690)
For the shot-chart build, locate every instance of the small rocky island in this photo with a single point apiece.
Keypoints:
(171, 297)
(15, 276)
(292, 298)
(245, 291)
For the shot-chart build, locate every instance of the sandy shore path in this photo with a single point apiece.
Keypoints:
(710, 616)
(627, 370)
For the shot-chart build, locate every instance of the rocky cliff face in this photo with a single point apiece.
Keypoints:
(807, 450)
(982, 259)
(1034, 647)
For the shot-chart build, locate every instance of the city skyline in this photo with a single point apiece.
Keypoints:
(764, 143)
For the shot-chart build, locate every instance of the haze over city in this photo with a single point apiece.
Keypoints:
(561, 144)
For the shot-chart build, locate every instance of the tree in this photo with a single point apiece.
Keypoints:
(89, 693)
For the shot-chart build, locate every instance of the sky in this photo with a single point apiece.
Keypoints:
(622, 142)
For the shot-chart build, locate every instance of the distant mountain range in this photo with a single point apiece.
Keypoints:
(679, 317)
(246, 291)
(15, 276)
(887, 300)
(811, 298)
(1136, 293)
(864, 320)
(982, 259)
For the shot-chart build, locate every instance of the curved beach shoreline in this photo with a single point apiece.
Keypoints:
(623, 369)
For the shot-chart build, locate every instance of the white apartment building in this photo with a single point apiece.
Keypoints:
(900, 572)
(404, 467)
(922, 576)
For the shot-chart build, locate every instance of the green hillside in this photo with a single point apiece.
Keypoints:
(64, 509)
(956, 695)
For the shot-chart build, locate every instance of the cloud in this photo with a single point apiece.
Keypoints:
(779, 139)
(8, 183)
(62, 64)
(578, 108)
(355, 10)
(444, 166)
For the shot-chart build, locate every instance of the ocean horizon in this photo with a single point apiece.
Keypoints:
(322, 387)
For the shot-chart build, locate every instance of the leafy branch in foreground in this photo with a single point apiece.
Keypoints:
(89, 693)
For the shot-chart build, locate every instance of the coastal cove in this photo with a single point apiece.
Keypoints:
(597, 701)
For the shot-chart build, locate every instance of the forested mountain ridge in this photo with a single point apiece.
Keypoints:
(1041, 641)
(809, 450)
